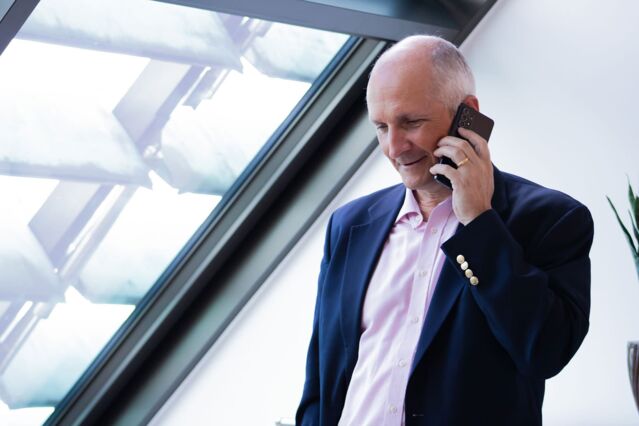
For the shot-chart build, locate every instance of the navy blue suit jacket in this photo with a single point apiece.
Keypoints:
(484, 351)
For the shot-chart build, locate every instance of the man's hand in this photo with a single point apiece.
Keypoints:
(472, 181)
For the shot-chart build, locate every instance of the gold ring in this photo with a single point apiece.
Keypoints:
(462, 162)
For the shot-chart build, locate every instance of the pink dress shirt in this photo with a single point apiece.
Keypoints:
(395, 306)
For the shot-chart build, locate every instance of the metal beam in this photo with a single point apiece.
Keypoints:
(13, 20)
(344, 16)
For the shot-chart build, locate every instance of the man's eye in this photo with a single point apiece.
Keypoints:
(414, 123)
(381, 127)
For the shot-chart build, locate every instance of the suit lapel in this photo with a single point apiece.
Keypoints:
(450, 282)
(365, 245)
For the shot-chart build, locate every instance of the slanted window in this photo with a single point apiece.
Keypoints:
(124, 126)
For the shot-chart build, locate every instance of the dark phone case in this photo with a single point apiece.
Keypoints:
(471, 119)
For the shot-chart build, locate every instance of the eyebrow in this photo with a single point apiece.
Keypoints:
(409, 117)
(403, 118)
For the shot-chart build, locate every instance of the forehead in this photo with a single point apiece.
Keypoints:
(400, 86)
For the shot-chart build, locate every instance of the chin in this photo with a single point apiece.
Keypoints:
(417, 178)
(415, 184)
(428, 184)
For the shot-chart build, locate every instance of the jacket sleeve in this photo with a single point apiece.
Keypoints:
(308, 412)
(536, 300)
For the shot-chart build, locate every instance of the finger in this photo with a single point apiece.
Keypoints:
(460, 144)
(456, 142)
(453, 141)
(452, 152)
(479, 144)
(444, 169)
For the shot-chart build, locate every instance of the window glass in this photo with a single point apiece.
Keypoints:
(5, 5)
(123, 124)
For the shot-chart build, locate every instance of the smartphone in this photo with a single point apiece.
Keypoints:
(470, 119)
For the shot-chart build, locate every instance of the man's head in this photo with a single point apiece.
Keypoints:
(413, 92)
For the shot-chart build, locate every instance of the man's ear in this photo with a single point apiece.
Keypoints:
(472, 101)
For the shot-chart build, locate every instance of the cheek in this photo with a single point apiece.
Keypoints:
(383, 144)
(427, 141)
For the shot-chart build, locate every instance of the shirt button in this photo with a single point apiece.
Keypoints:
(393, 409)
(422, 272)
(401, 363)
(414, 320)
(433, 231)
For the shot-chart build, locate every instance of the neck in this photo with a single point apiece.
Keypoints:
(428, 199)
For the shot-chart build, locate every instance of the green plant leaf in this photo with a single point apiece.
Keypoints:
(624, 229)
(634, 210)
(632, 198)
(635, 231)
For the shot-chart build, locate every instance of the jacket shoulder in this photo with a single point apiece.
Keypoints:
(530, 196)
(536, 211)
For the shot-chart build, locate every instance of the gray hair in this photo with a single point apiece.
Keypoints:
(453, 78)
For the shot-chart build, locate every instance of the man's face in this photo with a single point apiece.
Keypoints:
(409, 119)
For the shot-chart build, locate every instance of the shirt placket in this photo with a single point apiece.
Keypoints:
(402, 358)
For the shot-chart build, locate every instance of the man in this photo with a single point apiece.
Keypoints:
(440, 307)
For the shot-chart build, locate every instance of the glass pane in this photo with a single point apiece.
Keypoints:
(5, 5)
(123, 123)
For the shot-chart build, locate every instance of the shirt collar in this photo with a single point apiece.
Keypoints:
(411, 213)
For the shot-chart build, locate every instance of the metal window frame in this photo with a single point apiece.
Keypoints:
(313, 157)
(200, 298)
(13, 20)
(379, 19)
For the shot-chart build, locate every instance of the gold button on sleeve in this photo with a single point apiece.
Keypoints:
(474, 280)
(464, 266)
(468, 273)
(460, 259)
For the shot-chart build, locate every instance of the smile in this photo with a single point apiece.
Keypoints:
(414, 162)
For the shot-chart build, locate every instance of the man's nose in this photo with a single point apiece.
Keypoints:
(397, 143)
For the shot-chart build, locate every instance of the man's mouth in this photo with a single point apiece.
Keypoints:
(414, 162)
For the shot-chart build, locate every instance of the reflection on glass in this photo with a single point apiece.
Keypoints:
(123, 123)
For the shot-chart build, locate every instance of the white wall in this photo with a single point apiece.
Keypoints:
(560, 79)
